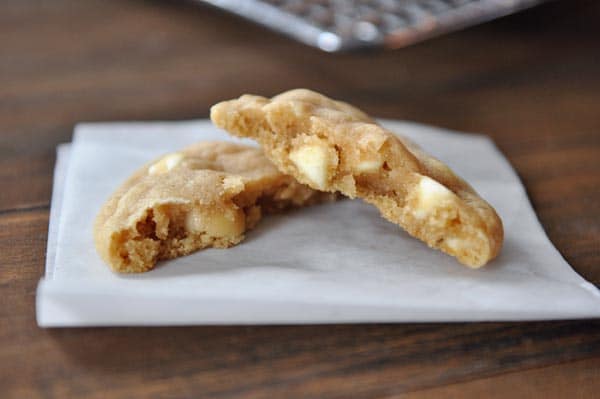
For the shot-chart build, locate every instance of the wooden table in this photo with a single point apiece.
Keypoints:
(530, 81)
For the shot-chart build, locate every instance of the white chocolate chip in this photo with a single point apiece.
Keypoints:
(458, 244)
(431, 195)
(455, 244)
(165, 164)
(194, 222)
(215, 224)
(368, 166)
(313, 161)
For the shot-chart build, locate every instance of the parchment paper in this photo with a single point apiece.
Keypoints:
(333, 263)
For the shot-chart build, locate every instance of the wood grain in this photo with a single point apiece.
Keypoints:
(567, 380)
(530, 81)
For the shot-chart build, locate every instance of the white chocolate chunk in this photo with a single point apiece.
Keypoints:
(372, 141)
(313, 162)
(368, 166)
(458, 244)
(215, 224)
(431, 195)
(233, 183)
(165, 164)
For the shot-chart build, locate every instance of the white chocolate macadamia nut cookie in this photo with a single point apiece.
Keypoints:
(332, 146)
(206, 195)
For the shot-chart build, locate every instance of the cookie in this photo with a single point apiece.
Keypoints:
(333, 146)
(206, 195)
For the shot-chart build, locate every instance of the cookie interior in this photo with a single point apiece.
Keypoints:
(205, 196)
(332, 146)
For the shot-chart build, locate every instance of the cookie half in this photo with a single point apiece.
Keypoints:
(206, 195)
(333, 146)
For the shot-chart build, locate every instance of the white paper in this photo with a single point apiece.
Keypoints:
(329, 263)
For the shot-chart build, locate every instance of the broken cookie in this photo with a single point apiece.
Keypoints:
(206, 195)
(332, 146)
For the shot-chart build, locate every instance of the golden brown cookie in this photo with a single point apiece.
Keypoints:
(332, 146)
(206, 195)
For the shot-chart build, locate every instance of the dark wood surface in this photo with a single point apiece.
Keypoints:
(530, 81)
